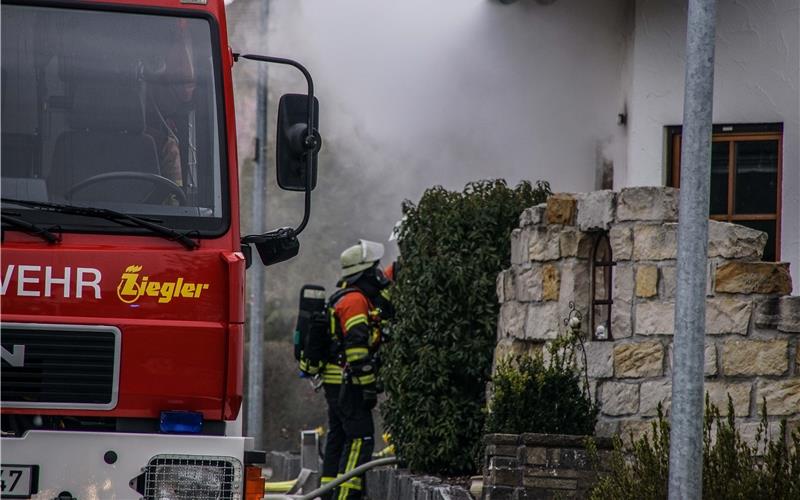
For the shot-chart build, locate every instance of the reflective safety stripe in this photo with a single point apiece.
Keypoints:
(355, 353)
(352, 459)
(308, 367)
(326, 479)
(332, 316)
(332, 374)
(353, 483)
(386, 294)
(365, 379)
(355, 320)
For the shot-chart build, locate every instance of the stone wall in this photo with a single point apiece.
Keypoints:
(540, 466)
(752, 325)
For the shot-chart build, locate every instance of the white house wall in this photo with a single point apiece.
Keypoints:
(757, 80)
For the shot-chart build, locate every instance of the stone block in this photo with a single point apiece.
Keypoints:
(755, 357)
(709, 358)
(543, 244)
(532, 216)
(732, 241)
(647, 203)
(638, 359)
(599, 359)
(519, 246)
(632, 430)
(619, 398)
(551, 282)
(536, 455)
(550, 483)
(561, 208)
(646, 281)
(728, 315)
(596, 210)
(505, 286)
(515, 347)
(668, 281)
(652, 393)
(542, 321)
(655, 318)
(783, 396)
(511, 322)
(623, 286)
(621, 240)
(621, 325)
(655, 241)
(574, 287)
(754, 277)
(528, 282)
(739, 392)
(782, 313)
(574, 243)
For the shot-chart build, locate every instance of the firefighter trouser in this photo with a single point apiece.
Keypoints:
(350, 439)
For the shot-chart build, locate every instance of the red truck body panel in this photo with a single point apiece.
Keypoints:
(180, 311)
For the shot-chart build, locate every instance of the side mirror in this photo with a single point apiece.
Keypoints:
(294, 143)
(274, 246)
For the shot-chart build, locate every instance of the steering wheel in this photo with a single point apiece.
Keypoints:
(162, 187)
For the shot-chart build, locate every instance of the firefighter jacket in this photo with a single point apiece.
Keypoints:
(355, 327)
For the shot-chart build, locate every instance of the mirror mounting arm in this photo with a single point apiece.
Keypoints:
(281, 244)
(312, 139)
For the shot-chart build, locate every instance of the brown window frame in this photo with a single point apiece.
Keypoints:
(734, 134)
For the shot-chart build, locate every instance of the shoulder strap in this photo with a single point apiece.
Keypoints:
(338, 294)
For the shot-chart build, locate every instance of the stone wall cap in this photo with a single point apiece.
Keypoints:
(564, 440)
(501, 438)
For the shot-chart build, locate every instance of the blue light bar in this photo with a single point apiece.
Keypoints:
(181, 422)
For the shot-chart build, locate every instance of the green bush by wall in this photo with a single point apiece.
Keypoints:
(453, 245)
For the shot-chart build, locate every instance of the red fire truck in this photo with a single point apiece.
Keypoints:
(123, 265)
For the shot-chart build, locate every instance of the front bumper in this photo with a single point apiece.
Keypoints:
(78, 462)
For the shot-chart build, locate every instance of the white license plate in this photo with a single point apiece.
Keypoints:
(18, 481)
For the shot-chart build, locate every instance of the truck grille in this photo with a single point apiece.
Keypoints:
(192, 477)
(59, 366)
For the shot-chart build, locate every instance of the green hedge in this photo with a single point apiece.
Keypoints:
(531, 395)
(732, 468)
(453, 245)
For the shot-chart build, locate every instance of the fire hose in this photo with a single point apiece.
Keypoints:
(336, 482)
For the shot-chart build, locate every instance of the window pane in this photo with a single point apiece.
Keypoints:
(756, 177)
(719, 178)
(768, 226)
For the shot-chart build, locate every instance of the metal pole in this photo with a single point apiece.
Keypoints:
(256, 285)
(686, 436)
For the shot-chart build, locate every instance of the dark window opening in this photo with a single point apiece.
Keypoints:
(600, 288)
(746, 173)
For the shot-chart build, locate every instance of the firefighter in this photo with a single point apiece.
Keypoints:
(349, 376)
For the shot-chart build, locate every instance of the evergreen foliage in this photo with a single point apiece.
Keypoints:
(531, 395)
(453, 245)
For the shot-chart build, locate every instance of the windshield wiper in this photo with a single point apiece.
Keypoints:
(31, 228)
(112, 215)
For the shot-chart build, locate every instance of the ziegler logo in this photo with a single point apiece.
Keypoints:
(132, 286)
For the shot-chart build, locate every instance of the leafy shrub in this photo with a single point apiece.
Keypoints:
(531, 395)
(732, 469)
(453, 245)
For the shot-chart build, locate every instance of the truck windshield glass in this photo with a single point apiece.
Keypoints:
(113, 110)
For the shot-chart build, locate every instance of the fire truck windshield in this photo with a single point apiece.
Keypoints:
(114, 110)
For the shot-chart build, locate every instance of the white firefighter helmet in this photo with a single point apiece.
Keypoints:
(360, 257)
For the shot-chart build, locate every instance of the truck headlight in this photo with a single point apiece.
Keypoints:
(192, 477)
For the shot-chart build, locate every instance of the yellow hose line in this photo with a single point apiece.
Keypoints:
(279, 486)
